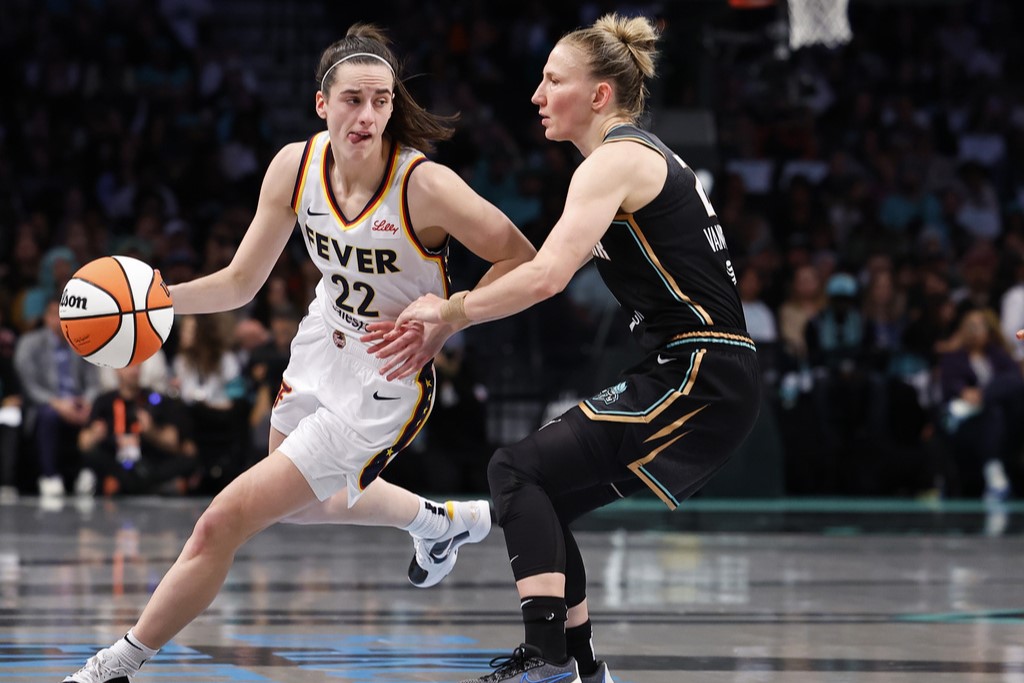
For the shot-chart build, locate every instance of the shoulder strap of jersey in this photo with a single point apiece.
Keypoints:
(631, 133)
(300, 176)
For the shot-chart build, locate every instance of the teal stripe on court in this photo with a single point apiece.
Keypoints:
(984, 617)
(812, 505)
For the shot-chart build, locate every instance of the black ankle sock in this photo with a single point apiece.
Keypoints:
(544, 620)
(579, 644)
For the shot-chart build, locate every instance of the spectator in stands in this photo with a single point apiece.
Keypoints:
(806, 299)
(980, 211)
(983, 398)
(882, 313)
(265, 369)
(1011, 307)
(155, 375)
(760, 319)
(978, 273)
(57, 267)
(209, 380)
(133, 441)
(59, 387)
(10, 414)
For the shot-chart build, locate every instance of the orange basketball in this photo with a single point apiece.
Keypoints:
(116, 311)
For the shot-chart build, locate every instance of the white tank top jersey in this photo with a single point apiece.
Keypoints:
(372, 264)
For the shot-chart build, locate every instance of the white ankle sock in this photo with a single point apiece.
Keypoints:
(431, 520)
(131, 651)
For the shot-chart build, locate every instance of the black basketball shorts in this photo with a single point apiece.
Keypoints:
(675, 418)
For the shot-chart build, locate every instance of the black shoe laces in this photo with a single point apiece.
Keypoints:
(519, 661)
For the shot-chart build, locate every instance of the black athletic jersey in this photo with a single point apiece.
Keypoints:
(668, 262)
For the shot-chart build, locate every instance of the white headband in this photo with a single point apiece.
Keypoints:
(348, 57)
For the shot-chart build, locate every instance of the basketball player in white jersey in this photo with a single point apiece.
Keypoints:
(376, 217)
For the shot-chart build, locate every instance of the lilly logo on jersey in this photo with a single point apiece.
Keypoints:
(384, 229)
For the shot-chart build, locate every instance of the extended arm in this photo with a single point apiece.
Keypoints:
(598, 188)
(441, 203)
(237, 283)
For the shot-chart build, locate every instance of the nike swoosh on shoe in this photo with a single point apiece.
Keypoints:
(439, 550)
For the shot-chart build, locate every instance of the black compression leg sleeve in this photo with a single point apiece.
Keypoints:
(533, 532)
(538, 479)
(575, 571)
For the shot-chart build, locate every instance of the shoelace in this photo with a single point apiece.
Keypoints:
(516, 663)
(423, 558)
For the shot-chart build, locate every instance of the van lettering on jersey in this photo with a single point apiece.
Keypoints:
(372, 261)
(715, 237)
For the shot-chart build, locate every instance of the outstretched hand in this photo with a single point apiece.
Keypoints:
(1020, 335)
(426, 309)
(407, 347)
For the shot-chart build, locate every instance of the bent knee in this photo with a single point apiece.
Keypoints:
(505, 476)
(502, 474)
(218, 527)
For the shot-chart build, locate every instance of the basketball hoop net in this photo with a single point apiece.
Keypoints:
(818, 22)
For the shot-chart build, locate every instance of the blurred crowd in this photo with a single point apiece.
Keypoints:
(869, 194)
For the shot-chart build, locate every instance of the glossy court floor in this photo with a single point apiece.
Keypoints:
(795, 591)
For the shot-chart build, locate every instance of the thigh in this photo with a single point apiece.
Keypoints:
(560, 462)
(574, 504)
(266, 493)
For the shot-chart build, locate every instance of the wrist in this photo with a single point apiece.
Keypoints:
(453, 310)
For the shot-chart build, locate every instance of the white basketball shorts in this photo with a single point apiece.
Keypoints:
(343, 420)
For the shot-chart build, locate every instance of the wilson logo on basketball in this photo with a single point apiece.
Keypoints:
(384, 226)
(72, 301)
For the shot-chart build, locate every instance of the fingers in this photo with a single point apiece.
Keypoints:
(386, 348)
(397, 361)
(380, 325)
(377, 331)
(411, 366)
(400, 341)
(1020, 334)
(380, 333)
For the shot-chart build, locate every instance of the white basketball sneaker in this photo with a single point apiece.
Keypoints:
(435, 558)
(103, 667)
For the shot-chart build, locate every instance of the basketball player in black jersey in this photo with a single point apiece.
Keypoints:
(671, 421)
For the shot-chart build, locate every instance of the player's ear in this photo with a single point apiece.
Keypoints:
(320, 105)
(602, 96)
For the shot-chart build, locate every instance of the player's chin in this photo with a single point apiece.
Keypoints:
(551, 133)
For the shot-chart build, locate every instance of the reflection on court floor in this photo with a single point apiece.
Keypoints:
(719, 591)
